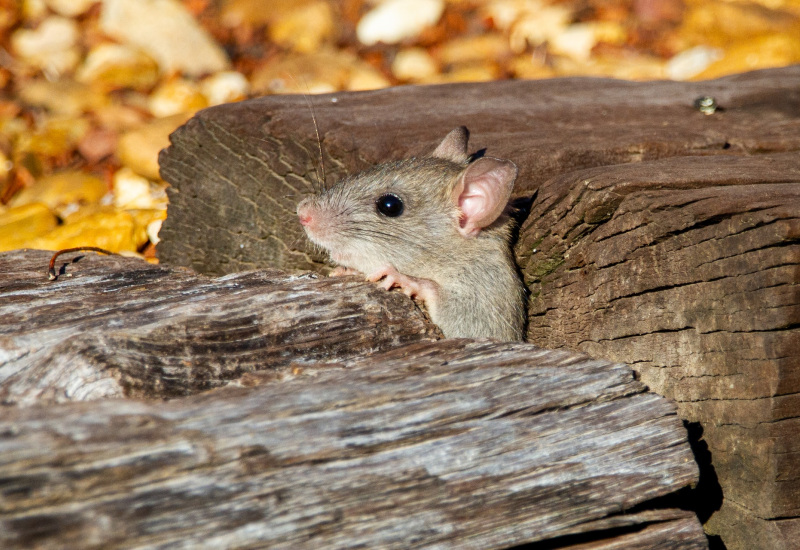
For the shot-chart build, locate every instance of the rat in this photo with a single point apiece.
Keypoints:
(438, 227)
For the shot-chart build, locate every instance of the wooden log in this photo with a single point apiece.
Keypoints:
(238, 171)
(436, 444)
(687, 268)
(122, 327)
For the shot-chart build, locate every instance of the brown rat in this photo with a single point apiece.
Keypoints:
(438, 227)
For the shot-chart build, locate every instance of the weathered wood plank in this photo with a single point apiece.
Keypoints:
(260, 154)
(687, 268)
(122, 327)
(669, 529)
(439, 444)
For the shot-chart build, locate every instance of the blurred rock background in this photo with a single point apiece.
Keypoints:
(90, 89)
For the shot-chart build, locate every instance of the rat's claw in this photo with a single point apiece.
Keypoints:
(384, 272)
(387, 283)
(423, 289)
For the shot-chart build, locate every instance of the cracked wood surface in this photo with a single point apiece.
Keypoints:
(238, 171)
(658, 236)
(433, 445)
(122, 327)
(687, 269)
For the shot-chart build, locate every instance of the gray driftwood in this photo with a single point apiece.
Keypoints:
(113, 326)
(658, 236)
(447, 444)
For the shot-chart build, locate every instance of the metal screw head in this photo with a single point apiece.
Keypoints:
(706, 104)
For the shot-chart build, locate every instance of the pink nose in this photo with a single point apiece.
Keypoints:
(304, 214)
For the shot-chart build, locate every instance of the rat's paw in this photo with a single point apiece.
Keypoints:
(342, 271)
(388, 277)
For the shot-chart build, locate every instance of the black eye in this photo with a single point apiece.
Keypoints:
(389, 205)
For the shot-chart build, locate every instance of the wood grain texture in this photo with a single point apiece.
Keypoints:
(687, 269)
(238, 171)
(122, 327)
(434, 445)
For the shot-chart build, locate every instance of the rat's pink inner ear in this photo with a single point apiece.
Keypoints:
(454, 146)
(483, 192)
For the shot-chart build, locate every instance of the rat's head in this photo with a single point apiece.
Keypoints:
(409, 211)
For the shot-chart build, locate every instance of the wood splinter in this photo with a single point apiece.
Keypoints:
(51, 272)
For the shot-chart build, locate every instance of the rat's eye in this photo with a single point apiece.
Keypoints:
(389, 205)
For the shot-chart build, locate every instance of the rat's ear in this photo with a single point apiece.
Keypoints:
(454, 146)
(482, 193)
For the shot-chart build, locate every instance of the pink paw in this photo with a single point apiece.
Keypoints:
(388, 277)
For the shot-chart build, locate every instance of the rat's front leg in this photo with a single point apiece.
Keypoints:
(423, 289)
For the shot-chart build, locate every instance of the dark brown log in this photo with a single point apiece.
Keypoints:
(238, 171)
(437, 444)
(687, 269)
(122, 327)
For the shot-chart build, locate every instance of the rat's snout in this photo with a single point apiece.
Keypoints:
(305, 213)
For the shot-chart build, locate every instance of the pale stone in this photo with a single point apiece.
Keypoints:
(691, 62)
(52, 46)
(504, 12)
(138, 148)
(366, 78)
(225, 87)
(471, 72)
(132, 191)
(304, 29)
(167, 32)
(322, 72)
(414, 64)
(118, 66)
(70, 8)
(576, 41)
(534, 24)
(61, 190)
(176, 96)
(21, 224)
(473, 48)
(152, 231)
(63, 97)
(393, 21)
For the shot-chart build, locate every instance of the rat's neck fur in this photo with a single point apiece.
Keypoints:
(483, 298)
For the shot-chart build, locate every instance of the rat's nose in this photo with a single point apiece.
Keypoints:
(304, 213)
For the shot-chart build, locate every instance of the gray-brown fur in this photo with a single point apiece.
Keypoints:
(480, 293)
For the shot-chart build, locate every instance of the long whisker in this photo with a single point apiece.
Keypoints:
(321, 180)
